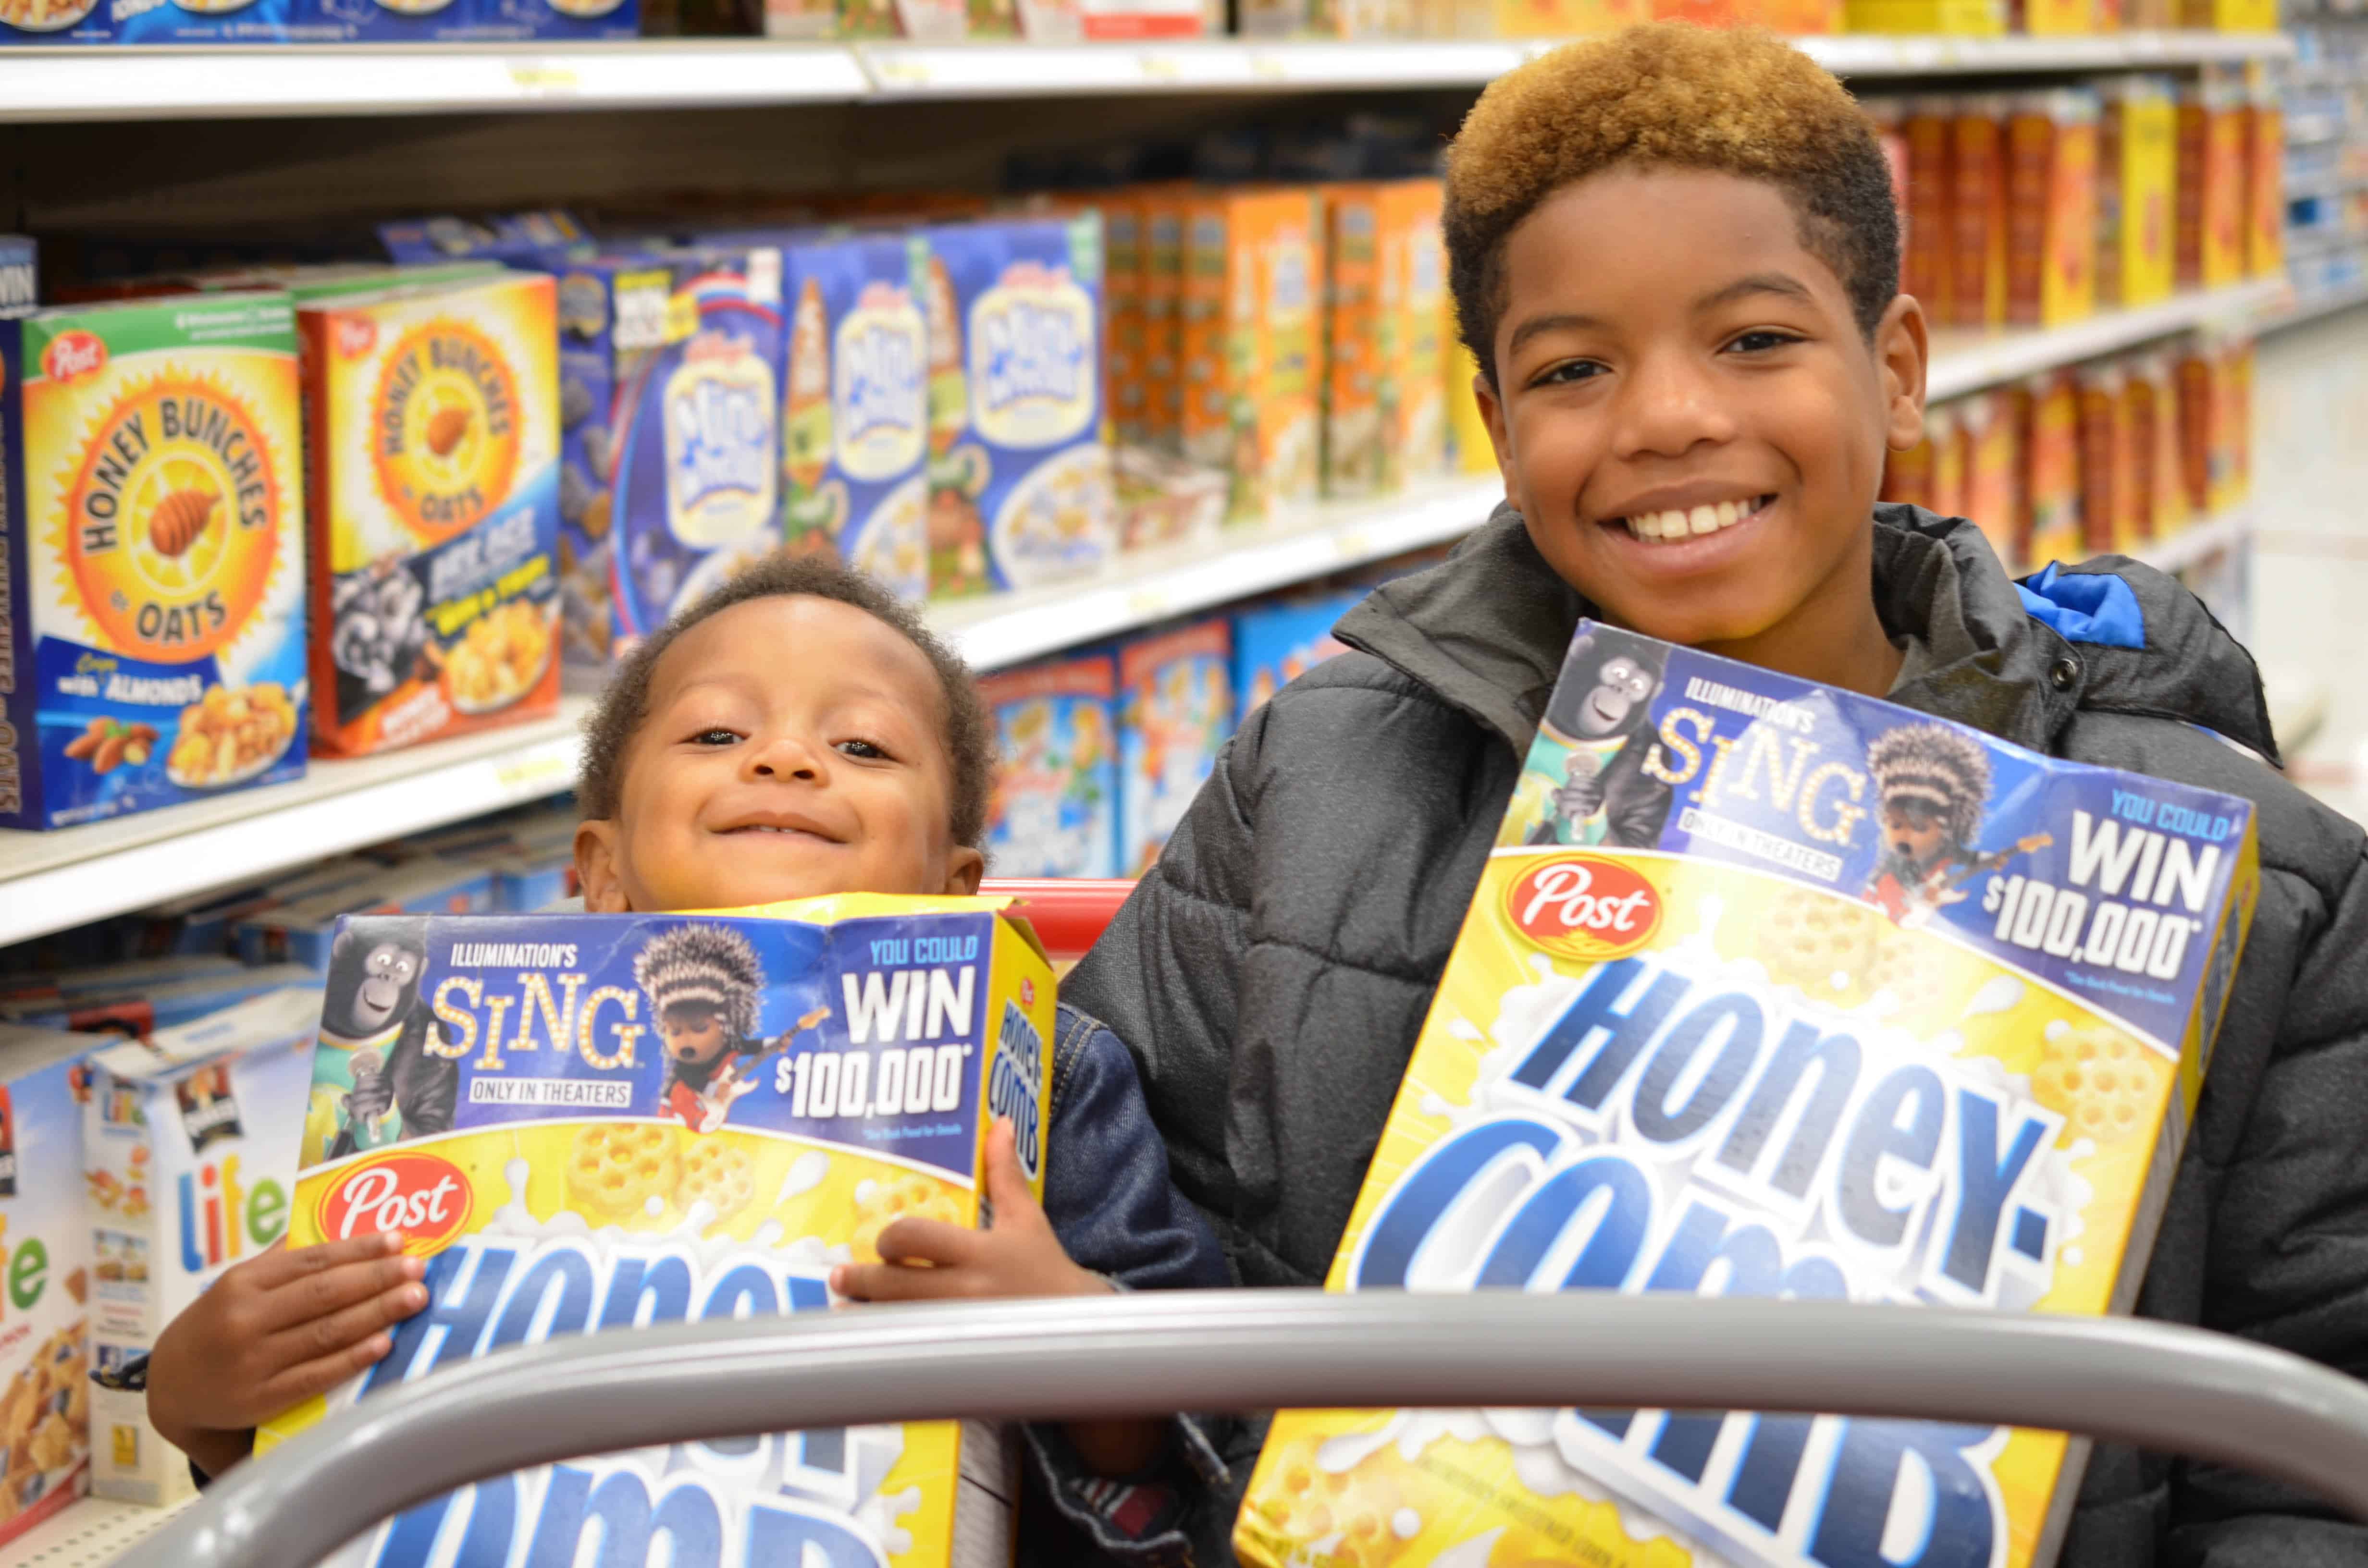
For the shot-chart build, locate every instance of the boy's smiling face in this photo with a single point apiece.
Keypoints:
(793, 747)
(1690, 422)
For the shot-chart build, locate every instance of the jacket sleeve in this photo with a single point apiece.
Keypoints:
(2286, 1261)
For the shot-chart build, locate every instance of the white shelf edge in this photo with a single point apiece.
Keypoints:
(90, 1533)
(1963, 363)
(2195, 543)
(2316, 306)
(261, 81)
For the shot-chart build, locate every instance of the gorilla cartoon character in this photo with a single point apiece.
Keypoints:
(1602, 715)
(373, 1014)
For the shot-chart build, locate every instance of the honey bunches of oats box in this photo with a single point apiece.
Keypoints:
(583, 1121)
(1021, 490)
(45, 1271)
(433, 427)
(152, 556)
(1772, 989)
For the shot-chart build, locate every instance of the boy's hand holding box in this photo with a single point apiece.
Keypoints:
(1769, 989)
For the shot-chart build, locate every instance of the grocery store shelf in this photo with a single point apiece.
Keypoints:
(90, 1534)
(1180, 579)
(2192, 546)
(1965, 362)
(2304, 309)
(254, 84)
(50, 881)
(242, 81)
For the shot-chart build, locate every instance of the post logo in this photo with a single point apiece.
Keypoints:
(73, 355)
(1584, 907)
(425, 1197)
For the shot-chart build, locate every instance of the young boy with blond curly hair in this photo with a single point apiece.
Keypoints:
(1676, 256)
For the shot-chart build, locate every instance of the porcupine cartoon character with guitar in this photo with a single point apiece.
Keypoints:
(1931, 782)
(704, 984)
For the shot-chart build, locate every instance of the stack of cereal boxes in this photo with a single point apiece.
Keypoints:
(189, 1169)
(669, 402)
(1056, 794)
(150, 22)
(152, 556)
(1769, 989)
(433, 430)
(625, 1119)
(44, 1277)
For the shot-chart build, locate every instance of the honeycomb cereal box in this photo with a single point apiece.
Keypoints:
(1176, 709)
(1251, 344)
(1056, 794)
(432, 423)
(1020, 487)
(648, 1118)
(1770, 989)
(187, 1165)
(45, 1265)
(669, 474)
(152, 556)
(855, 407)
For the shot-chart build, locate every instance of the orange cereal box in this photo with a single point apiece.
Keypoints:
(1991, 438)
(1977, 143)
(1252, 274)
(2051, 202)
(2151, 393)
(2109, 520)
(2265, 187)
(432, 423)
(2211, 188)
(2137, 160)
(2048, 408)
(1926, 271)
(1825, 999)
(152, 556)
(1384, 416)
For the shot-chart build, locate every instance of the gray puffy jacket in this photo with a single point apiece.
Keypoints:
(1272, 971)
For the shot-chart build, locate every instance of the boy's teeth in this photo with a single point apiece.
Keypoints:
(1687, 524)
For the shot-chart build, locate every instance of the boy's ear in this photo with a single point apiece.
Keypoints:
(597, 868)
(964, 867)
(1492, 410)
(1902, 349)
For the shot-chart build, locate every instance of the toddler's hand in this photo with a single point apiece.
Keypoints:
(930, 1260)
(273, 1332)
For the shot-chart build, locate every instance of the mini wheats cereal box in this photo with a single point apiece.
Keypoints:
(855, 408)
(1056, 794)
(152, 556)
(669, 398)
(44, 1277)
(433, 431)
(1769, 989)
(598, 1121)
(1020, 491)
(188, 1170)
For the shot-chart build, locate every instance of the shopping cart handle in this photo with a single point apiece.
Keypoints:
(2174, 1388)
(1068, 915)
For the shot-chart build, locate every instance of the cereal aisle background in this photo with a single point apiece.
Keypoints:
(355, 420)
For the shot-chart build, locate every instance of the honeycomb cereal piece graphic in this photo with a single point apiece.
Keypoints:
(1351, 1512)
(616, 1169)
(1813, 939)
(717, 1175)
(2101, 1079)
(908, 1196)
(1915, 974)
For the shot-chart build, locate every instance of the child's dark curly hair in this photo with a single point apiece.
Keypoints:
(623, 704)
(1670, 95)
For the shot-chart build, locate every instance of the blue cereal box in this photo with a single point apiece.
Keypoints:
(189, 1167)
(1275, 644)
(20, 278)
(152, 556)
(255, 21)
(1176, 709)
(648, 1118)
(670, 460)
(855, 407)
(1772, 989)
(1057, 792)
(1020, 490)
(24, 22)
(45, 1258)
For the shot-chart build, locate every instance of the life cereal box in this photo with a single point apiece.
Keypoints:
(642, 1118)
(188, 1168)
(1056, 794)
(669, 401)
(1020, 491)
(855, 408)
(44, 1277)
(1769, 989)
(152, 556)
